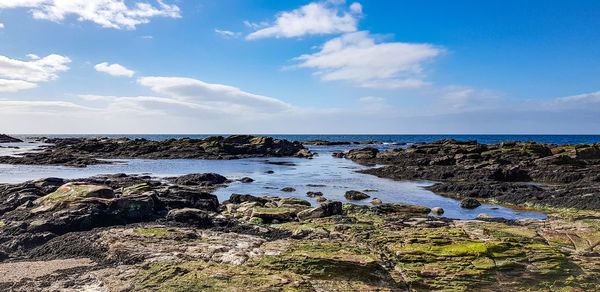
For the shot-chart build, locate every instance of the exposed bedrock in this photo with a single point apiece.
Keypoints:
(86, 151)
(510, 172)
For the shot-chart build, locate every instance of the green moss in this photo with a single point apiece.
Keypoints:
(153, 231)
(137, 189)
(293, 201)
(272, 210)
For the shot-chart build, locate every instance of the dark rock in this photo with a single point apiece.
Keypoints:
(190, 215)
(9, 139)
(469, 203)
(314, 194)
(246, 180)
(288, 190)
(199, 179)
(239, 198)
(356, 195)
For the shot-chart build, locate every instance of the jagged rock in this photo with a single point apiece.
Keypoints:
(469, 203)
(324, 210)
(356, 195)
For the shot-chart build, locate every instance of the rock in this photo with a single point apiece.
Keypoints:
(321, 199)
(200, 179)
(269, 172)
(437, 211)
(469, 203)
(9, 139)
(293, 201)
(356, 195)
(187, 198)
(246, 180)
(239, 198)
(190, 215)
(376, 201)
(362, 153)
(325, 210)
(402, 209)
(86, 151)
(288, 190)
(72, 192)
(270, 214)
(314, 194)
(484, 216)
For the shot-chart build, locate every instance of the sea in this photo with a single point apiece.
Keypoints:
(324, 173)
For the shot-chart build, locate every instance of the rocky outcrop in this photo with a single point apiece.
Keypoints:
(569, 174)
(9, 139)
(86, 151)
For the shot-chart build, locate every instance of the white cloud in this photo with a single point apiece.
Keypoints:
(114, 69)
(214, 95)
(147, 37)
(356, 57)
(371, 99)
(316, 18)
(18, 75)
(107, 13)
(1, 25)
(15, 85)
(33, 56)
(227, 33)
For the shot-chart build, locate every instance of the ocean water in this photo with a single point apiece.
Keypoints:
(332, 176)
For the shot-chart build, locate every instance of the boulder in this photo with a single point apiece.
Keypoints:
(288, 190)
(200, 179)
(362, 153)
(356, 195)
(437, 211)
(73, 192)
(325, 210)
(376, 201)
(187, 198)
(270, 214)
(240, 198)
(190, 215)
(314, 194)
(293, 201)
(246, 180)
(321, 199)
(469, 203)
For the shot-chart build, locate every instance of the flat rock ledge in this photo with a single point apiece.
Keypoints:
(86, 151)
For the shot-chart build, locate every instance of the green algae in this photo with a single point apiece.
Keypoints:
(153, 231)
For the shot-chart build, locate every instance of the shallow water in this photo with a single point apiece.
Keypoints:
(335, 175)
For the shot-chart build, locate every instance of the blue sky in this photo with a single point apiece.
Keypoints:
(183, 66)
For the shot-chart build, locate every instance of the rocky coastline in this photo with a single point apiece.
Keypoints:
(139, 233)
(517, 173)
(80, 152)
(8, 139)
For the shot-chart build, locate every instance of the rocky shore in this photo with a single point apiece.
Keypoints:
(518, 173)
(139, 233)
(80, 152)
(9, 139)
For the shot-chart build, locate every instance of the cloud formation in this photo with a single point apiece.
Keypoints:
(217, 96)
(107, 13)
(18, 75)
(316, 18)
(114, 69)
(1, 25)
(228, 34)
(357, 58)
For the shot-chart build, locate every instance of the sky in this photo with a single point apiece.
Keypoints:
(299, 67)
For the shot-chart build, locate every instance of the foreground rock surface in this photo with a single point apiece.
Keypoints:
(137, 233)
(521, 173)
(86, 151)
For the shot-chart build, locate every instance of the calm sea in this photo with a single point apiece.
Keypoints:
(486, 139)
